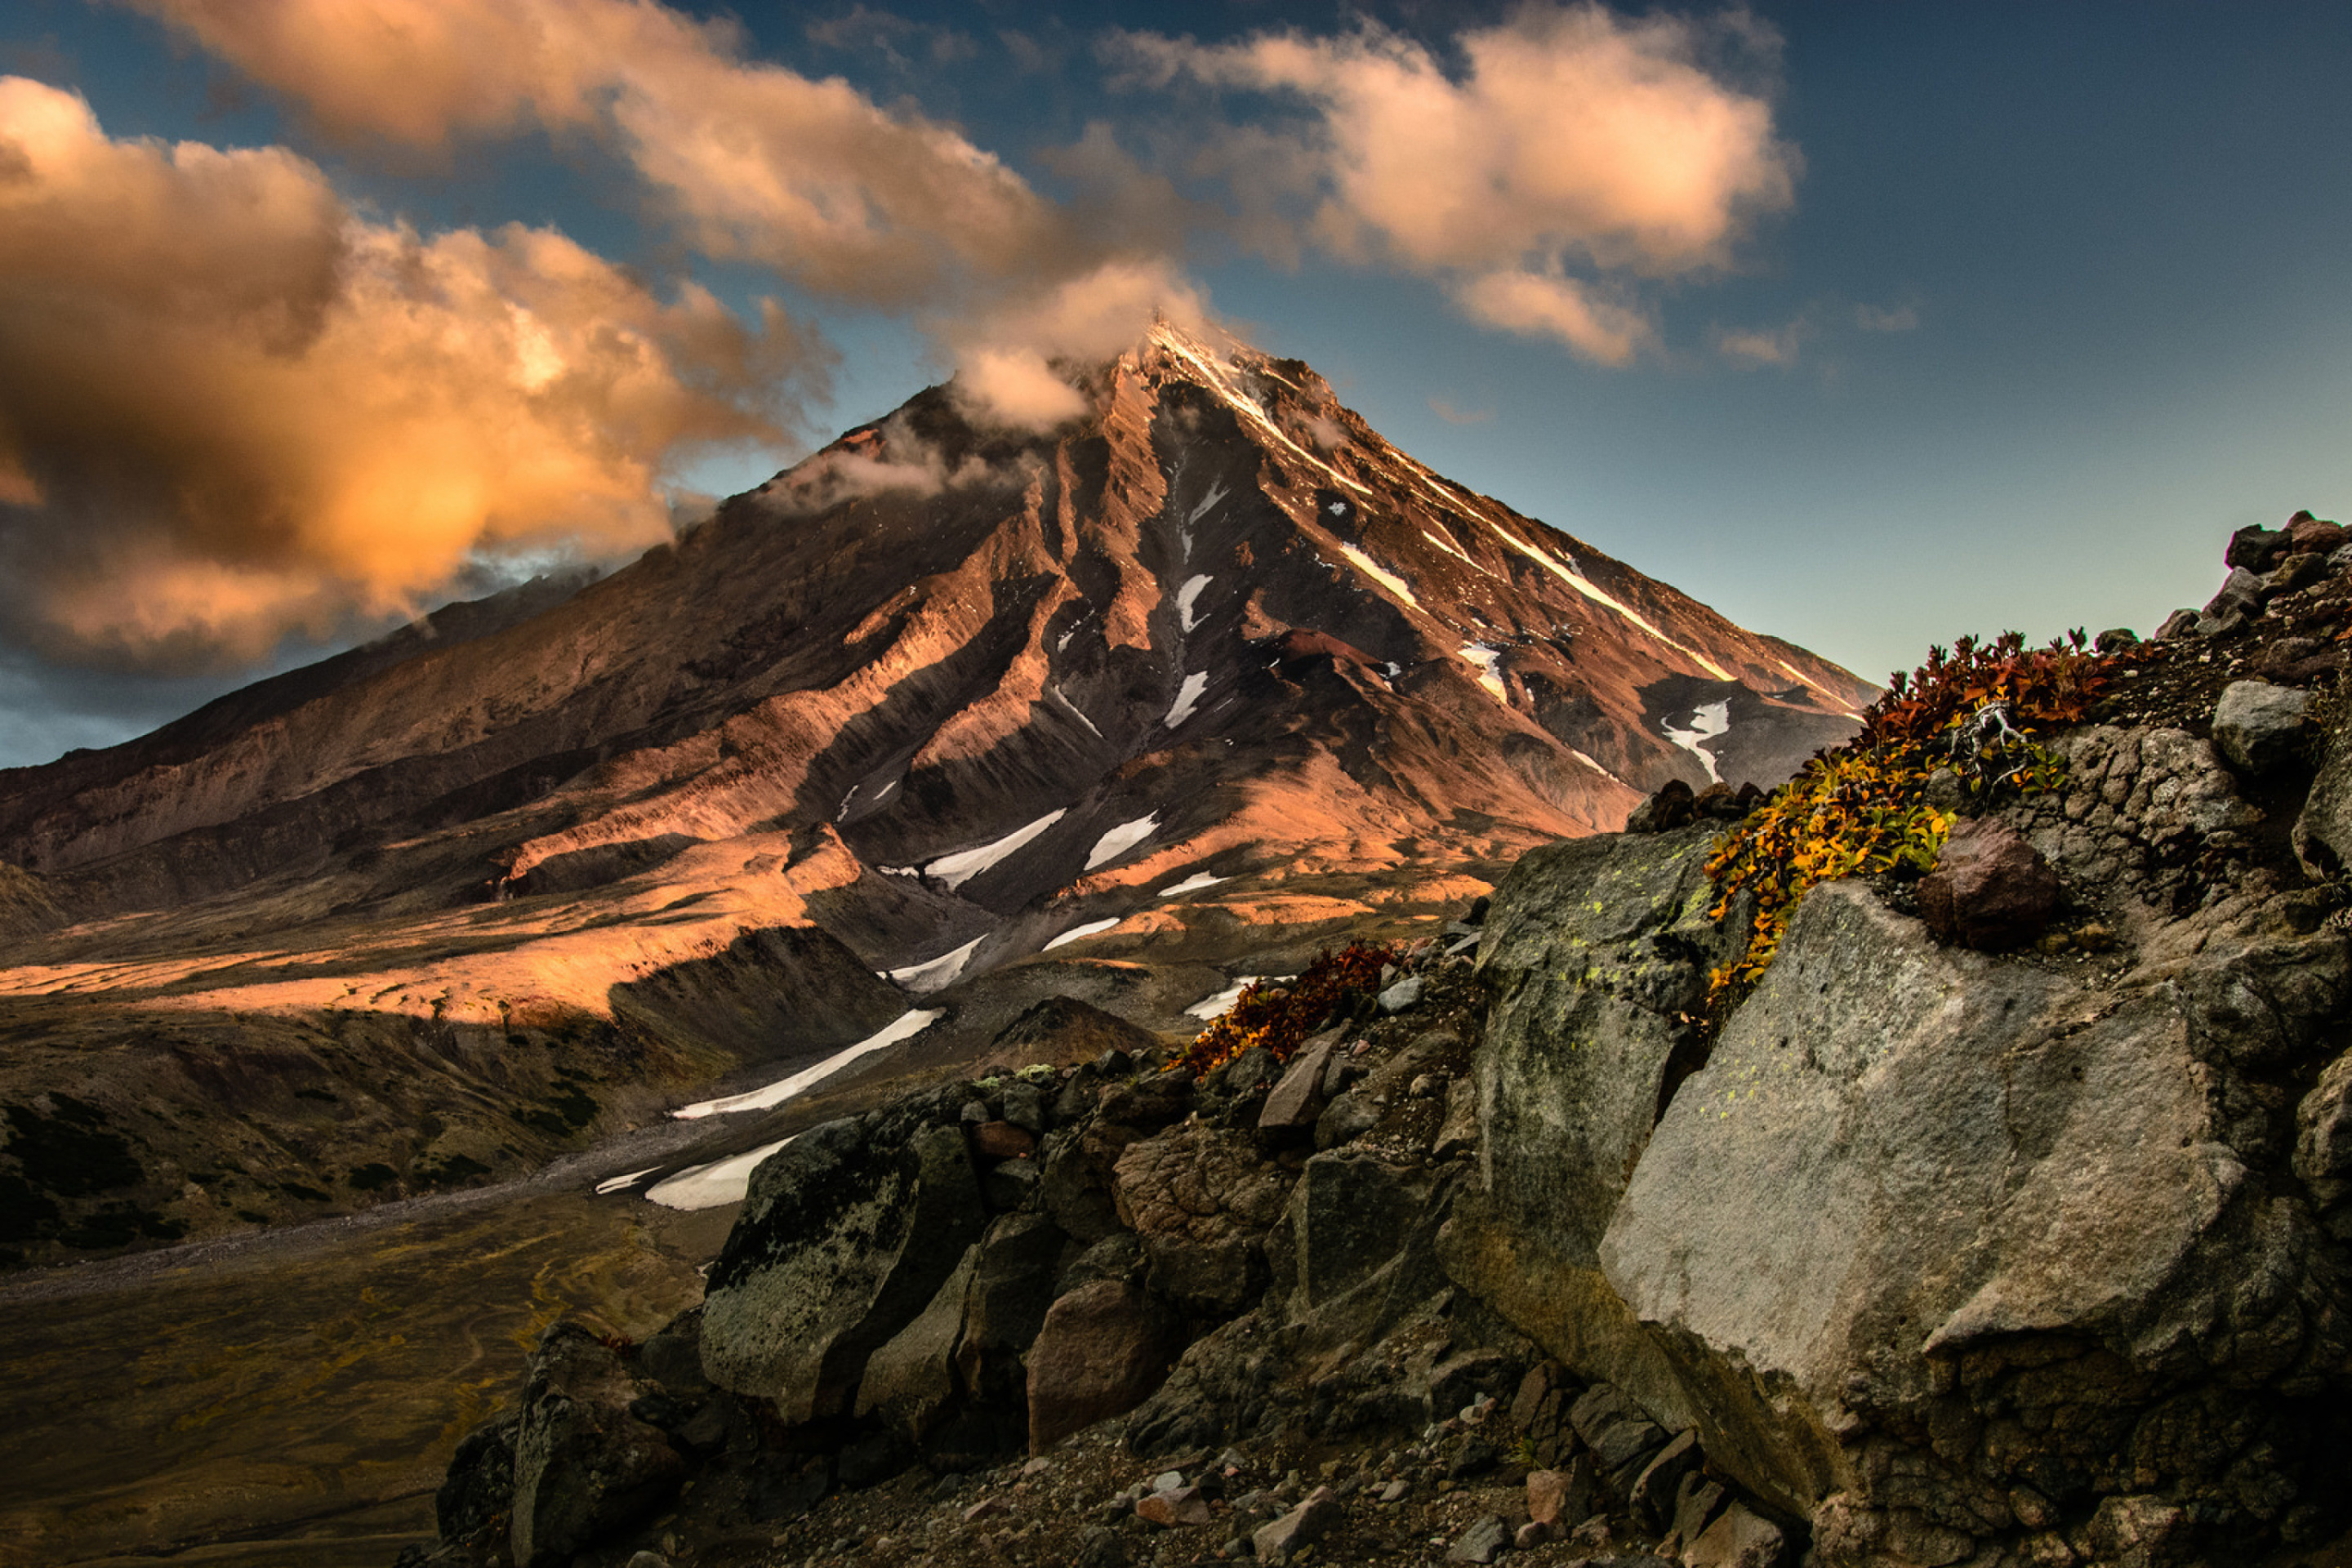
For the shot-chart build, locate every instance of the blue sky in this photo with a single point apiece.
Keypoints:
(2047, 299)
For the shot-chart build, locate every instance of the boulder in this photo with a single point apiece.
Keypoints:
(1623, 1438)
(1991, 889)
(2258, 726)
(1011, 1287)
(1458, 1134)
(1002, 1141)
(2252, 547)
(2241, 593)
(1202, 1200)
(843, 1239)
(1403, 997)
(1104, 1347)
(584, 1467)
(1656, 1490)
(1908, 1173)
(1596, 954)
(2323, 832)
(478, 1488)
(1562, 1499)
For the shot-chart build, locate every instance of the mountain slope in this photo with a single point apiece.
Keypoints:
(1213, 657)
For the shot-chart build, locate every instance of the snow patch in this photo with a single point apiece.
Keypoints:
(1075, 712)
(905, 1026)
(1707, 722)
(620, 1183)
(935, 974)
(1219, 1004)
(961, 866)
(712, 1185)
(1189, 595)
(1600, 597)
(1249, 408)
(1091, 928)
(1490, 669)
(1188, 697)
(1191, 884)
(1386, 579)
(1217, 492)
(1452, 549)
(1122, 839)
(1596, 767)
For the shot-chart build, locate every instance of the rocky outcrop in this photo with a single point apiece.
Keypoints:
(2012, 1235)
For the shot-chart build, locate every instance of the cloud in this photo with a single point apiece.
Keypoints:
(1878, 319)
(1452, 415)
(1569, 137)
(1015, 362)
(752, 162)
(1754, 346)
(1533, 305)
(231, 409)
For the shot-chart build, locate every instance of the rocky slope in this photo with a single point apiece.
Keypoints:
(2023, 1243)
(998, 716)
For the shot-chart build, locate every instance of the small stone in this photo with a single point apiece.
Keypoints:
(1530, 1535)
(1396, 1491)
(1486, 1539)
(985, 1508)
(1176, 1506)
(1167, 1480)
(1404, 995)
(647, 1560)
(1425, 1086)
(1282, 1541)
(1739, 1539)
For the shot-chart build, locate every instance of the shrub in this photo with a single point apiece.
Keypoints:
(1860, 808)
(1280, 1017)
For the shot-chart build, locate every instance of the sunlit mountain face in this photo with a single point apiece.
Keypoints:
(948, 713)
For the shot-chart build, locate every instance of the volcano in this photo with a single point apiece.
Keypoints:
(946, 714)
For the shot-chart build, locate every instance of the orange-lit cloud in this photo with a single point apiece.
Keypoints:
(229, 408)
(1570, 138)
(753, 161)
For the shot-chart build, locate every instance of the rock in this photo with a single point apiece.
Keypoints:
(1074, 1182)
(2251, 548)
(2257, 726)
(1673, 806)
(1103, 1349)
(1024, 1107)
(2030, 1160)
(1621, 1436)
(1403, 997)
(2323, 832)
(909, 1382)
(1991, 889)
(1697, 1502)
(2179, 624)
(1012, 1287)
(1458, 1134)
(1486, 1539)
(2115, 640)
(2308, 533)
(1560, 1497)
(1293, 1104)
(1201, 1198)
(1345, 1119)
(478, 1489)
(1530, 1535)
(646, 1559)
(1310, 1522)
(841, 1243)
(1657, 1489)
(1176, 1506)
(584, 1467)
(2241, 593)
(1739, 1539)
(1002, 1141)
(1596, 955)
(2295, 572)
(1396, 1491)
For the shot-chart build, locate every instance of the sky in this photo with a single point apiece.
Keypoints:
(1868, 325)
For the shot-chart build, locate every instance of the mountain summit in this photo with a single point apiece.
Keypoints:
(947, 698)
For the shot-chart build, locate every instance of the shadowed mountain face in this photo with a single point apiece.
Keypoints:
(1213, 657)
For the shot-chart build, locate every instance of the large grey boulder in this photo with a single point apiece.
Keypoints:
(846, 1235)
(1596, 953)
(1933, 1231)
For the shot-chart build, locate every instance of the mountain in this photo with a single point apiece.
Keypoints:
(943, 708)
